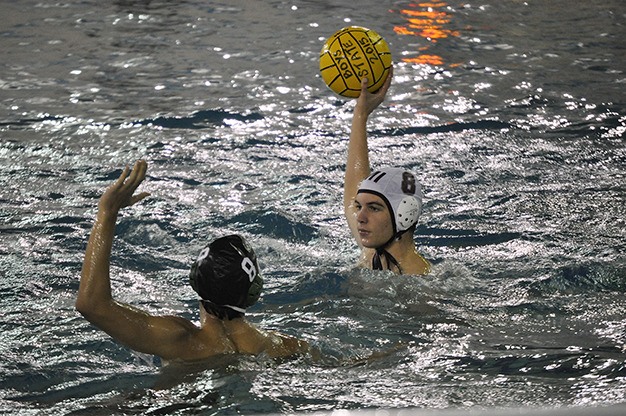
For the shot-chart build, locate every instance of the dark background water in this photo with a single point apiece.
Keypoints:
(512, 113)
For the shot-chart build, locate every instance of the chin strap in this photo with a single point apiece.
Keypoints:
(222, 311)
(377, 264)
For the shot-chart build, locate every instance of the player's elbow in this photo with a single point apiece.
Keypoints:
(83, 307)
(88, 309)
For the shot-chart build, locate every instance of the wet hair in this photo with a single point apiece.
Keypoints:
(227, 278)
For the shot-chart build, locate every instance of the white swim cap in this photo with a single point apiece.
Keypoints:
(401, 192)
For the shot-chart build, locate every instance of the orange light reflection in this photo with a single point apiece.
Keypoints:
(426, 20)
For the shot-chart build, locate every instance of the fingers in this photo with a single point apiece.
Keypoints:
(130, 180)
(123, 175)
(139, 171)
(364, 95)
(387, 83)
(382, 92)
(364, 82)
(139, 197)
(378, 96)
(120, 194)
(137, 175)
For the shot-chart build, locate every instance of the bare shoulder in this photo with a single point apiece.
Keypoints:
(248, 339)
(291, 346)
(184, 325)
(186, 341)
(419, 266)
(173, 331)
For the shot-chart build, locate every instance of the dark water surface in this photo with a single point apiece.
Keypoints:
(513, 113)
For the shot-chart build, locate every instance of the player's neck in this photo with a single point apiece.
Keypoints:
(405, 253)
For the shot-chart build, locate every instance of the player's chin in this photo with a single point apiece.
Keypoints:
(368, 242)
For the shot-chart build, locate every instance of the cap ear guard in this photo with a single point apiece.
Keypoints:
(193, 277)
(254, 292)
(408, 212)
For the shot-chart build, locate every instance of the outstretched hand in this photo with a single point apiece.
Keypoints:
(120, 194)
(367, 101)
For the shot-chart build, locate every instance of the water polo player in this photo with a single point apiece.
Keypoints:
(225, 275)
(382, 208)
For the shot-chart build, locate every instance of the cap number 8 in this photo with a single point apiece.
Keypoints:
(408, 183)
(248, 267)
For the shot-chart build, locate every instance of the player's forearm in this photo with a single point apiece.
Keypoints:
(357, 163)
(95, 286)
(357, 146)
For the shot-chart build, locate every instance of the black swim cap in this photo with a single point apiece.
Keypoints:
(226, 274)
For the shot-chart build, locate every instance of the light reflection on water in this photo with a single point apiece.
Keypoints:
(514, 123)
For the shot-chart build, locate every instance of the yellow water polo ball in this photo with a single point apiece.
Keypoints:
(351, 54)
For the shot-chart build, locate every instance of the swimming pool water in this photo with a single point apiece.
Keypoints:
(512, 113)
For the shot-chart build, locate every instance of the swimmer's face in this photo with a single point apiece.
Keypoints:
(373, 220)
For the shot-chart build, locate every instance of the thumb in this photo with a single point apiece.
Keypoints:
(137, 198)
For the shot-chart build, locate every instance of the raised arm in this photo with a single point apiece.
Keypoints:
(357, 164)
(138, 330)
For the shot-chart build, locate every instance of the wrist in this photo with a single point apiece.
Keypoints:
(106, 215)
(361, 113)
(359, 120)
